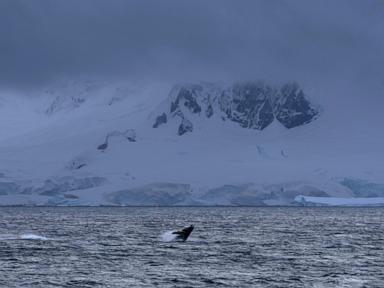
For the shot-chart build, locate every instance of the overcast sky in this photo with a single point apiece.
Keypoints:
(41, 40)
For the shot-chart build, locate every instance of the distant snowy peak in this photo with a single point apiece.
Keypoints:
(253, 105)
(69, 95)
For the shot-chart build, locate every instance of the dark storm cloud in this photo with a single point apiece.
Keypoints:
(44, 39)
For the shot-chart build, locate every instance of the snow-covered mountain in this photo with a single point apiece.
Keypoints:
(253, 105)
(244, 143)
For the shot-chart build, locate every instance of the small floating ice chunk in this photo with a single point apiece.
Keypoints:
(32, 237)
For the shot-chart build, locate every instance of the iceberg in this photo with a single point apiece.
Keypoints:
(336, 201)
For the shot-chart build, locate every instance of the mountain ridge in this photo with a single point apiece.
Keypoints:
(253, 105)
(105, 150)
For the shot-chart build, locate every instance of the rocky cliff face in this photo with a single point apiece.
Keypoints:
(248, 104)
(253, 105)
(291, 108)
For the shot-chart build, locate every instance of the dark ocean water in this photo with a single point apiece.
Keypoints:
(230, 247)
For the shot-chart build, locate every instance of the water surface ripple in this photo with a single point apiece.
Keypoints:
(230, 247)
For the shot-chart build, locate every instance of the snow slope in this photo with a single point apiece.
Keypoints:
(94, 143)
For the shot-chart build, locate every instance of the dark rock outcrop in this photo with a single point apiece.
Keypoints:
(103, 146)
(209, 111)
(291, 108)
(253, 105)
(129, 134)
(184, 127)
(188, 96)
(162, 119)
(249, 105)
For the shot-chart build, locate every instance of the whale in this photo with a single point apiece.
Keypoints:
(184, 233)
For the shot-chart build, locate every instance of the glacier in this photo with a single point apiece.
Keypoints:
(81, 142)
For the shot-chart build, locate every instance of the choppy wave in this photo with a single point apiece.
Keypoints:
(231, 247)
